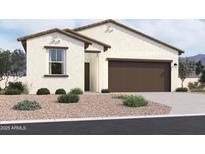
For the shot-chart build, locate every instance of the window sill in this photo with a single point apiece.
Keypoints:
(56, 75)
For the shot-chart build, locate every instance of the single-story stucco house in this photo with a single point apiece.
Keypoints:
(103, 55)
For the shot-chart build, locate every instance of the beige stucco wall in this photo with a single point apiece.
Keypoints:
(126, 44)
(95, 46)
(93, 60)
(37, 63)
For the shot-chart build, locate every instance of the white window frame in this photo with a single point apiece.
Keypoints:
(63, 62)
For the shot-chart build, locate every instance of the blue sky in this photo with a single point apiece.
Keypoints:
(188, 35)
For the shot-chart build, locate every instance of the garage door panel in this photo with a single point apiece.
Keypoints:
(129, 76)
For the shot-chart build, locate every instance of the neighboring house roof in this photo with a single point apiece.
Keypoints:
(128, 28)
(73, 35)
(106, 46)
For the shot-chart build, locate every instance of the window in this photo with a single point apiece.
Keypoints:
(56, 61)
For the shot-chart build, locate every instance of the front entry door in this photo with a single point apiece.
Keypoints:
(87, 76)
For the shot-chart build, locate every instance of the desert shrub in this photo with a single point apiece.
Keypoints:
(105, 91)
(181, 89)
(25, 90)
(76, 91)
(27, 105)
(202, 77)
(68, 98)
(135, 101)
(16, 85)
(120, 96)
(10, 91)
(196, 85)
(60, 91)
(201, 86)
(197, 90)
(193, 85)
(1, 91)
(43, 91)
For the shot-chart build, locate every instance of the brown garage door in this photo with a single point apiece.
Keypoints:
(139, 76)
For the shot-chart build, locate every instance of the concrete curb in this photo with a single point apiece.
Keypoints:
(99, 118)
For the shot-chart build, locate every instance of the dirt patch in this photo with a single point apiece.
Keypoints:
(90, 105)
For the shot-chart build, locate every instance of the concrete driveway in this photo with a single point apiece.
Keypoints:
(181, 103)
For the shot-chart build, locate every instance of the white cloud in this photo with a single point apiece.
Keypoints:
(29, 25)
(26, 27)
(188, 35)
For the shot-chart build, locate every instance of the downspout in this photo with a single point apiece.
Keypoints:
(98, 72)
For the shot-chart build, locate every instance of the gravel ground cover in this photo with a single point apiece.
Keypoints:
(90, 105)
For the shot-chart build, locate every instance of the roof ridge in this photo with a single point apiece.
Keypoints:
(128, 28)
(51, 31)
(77, 37)
(88, 38)
(92, 24)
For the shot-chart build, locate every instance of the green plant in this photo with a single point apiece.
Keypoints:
(193, 85)
(202, 77)
(120, 96)
(68, 98)
(43, 91)
(1, 91)
(76, 91)
(180, 89)
(60, 91)
(12, 63)
(5, 64)
(185, 69)
(105, 91)
(9, 91)
(199, 68)
(16, 85)
(135, 101)
(27, 105)
(196, 85)
(25, 91)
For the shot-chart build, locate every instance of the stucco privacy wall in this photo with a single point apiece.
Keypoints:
(12, 79)
(187, 80)
(126, 44)
(94, 84)
(37, 63)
